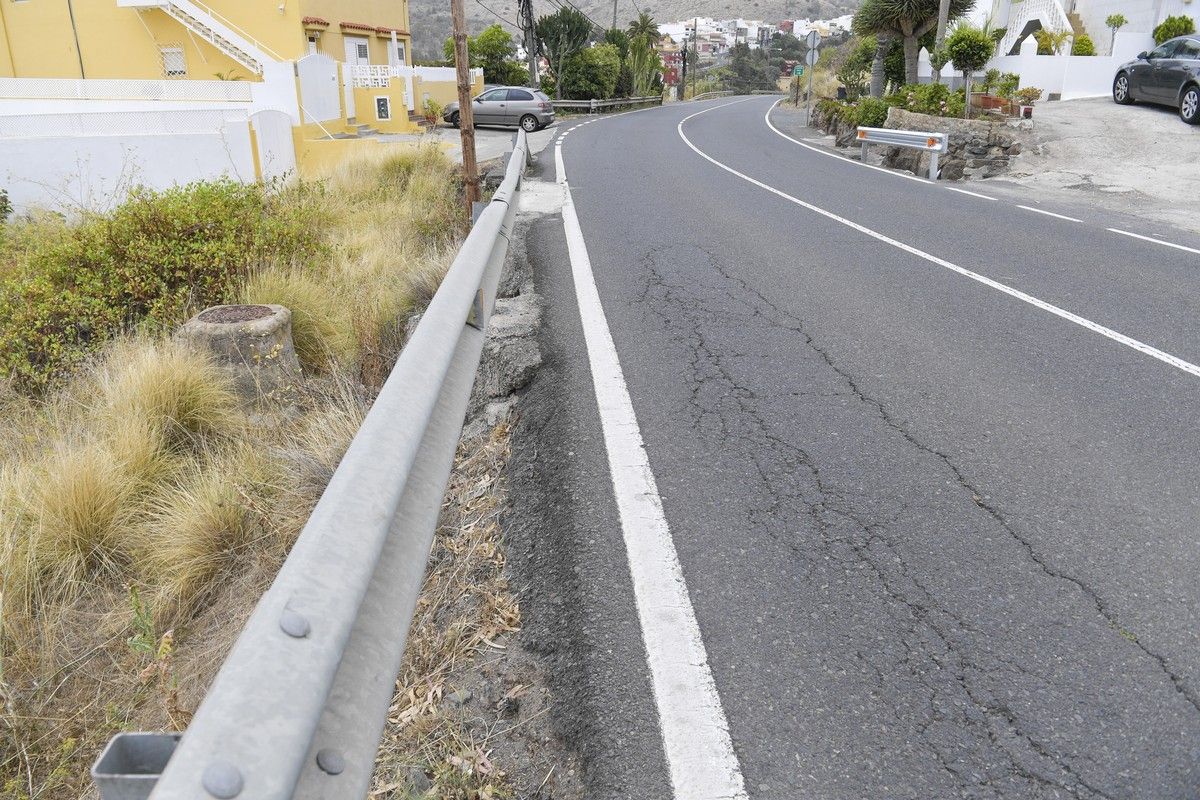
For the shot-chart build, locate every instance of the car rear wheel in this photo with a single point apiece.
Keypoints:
(1121, 93)
(1189, 105)
(529, 123)
(454, 119)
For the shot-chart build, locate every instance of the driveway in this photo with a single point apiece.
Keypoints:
(490, 143)
(1129, 158)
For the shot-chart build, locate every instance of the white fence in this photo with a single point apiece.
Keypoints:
(1065, 77)
(380, 76)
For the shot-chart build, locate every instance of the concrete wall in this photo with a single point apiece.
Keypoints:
(90, 161)
(1072, 77)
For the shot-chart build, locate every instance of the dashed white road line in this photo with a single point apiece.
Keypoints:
(1048, 213)
(1116, 336)
(973, 194)
(695, 732)
(1156, 241)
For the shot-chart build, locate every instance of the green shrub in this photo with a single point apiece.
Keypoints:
(871, 112)
(927, 98)
(68, 288)
(1007, 85)
(1083, 46)
(969, 48)
(991, 79)
(1171, 27)
(5, 206)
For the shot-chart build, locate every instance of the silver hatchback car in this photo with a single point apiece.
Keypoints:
(507, 105)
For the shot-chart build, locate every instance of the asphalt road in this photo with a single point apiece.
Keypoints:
(940, 541)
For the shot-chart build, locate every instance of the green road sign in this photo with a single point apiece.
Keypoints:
(798, 70)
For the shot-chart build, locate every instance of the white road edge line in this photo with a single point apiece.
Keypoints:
(1156, 241)
(695, 732)
(1048, 213)
(824, 152)
(973, 194)
(1116, 336)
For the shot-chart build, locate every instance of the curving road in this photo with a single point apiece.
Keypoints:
(927, 460)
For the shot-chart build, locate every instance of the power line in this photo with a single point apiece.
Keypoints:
(497, 16)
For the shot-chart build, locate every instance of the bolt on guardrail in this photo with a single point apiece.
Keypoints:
(933, 143)
(300, 703)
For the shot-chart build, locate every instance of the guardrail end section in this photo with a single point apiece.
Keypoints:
(131, 763)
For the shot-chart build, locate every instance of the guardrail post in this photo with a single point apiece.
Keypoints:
(864, 152)
(592, 106)
(933, 165)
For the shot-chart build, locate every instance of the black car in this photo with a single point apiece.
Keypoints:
(1168, 75)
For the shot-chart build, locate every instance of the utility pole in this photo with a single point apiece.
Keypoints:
(683, 72)
(614, 15)
(696, 49)
(466, 116)
(525, 17)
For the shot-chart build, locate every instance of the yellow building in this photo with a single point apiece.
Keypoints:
(187, 39)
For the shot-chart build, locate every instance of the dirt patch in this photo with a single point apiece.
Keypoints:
(1129, 158)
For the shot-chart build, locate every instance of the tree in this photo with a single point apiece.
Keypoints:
(905, 20)
(563, 34)
(591, 73)
(1171, 27)
(1114, 23)
(644, 25)
(969, 48)
(618, 39)
(748, 70)
(494, 50)
(645, 64)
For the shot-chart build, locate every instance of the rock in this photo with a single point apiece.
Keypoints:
(459, 698)
(510, 354)
(1014, 149)
(952, 170)
(418, 781)
(253, 343)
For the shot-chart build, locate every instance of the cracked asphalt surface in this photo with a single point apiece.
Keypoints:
(940, 543)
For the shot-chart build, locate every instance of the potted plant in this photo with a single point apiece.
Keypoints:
(1027, 97)
(987, 100)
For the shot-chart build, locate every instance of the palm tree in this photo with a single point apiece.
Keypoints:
(906, 20)
(644, 25)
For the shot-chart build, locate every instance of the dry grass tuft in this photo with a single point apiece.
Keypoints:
(165, 383)
(197, 526)
(321, 326)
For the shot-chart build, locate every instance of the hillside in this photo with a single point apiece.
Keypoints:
(431, 18)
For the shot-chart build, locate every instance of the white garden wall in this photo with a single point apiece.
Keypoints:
(71, 162)
(1072, 77)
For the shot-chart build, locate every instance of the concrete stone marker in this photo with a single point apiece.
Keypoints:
(253, 342)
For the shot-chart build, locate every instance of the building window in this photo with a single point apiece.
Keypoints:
(364, 53)
(400, 55)
(174, 65)
(312, 44)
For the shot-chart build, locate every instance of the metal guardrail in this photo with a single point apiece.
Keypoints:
(711, 95)
(299, 706)
(592, 106)
(933, 143)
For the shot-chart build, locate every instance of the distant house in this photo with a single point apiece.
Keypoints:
(183, 39)
(1020, 18)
